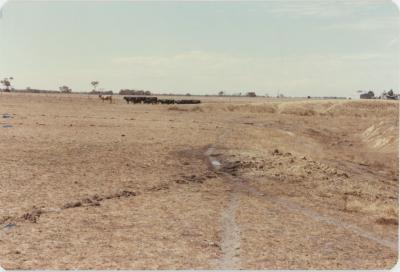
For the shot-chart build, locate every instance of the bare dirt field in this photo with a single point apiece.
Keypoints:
(241, 183)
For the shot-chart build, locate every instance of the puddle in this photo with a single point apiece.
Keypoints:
(215, 163)
(9, 226)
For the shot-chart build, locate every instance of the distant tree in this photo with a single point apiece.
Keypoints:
(251, 94)
(94, 84)
(65, 89)
(221, 93)
(7, 83)
(188, 94)
(147, 93)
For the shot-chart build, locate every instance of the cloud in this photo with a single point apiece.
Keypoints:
(195, 62)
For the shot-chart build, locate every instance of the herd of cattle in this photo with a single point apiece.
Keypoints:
(155, 100)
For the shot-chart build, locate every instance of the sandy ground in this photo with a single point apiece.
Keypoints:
(301, 184)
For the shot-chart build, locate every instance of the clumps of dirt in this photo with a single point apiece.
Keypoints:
(161, 187)
(4, 220)
(233, 167)
(72, 205)
(276, 152)
(282, 163)
(387, 221)
(95, 200)
(33, 215)
(123, 194)
(186, 179)
(282, 166)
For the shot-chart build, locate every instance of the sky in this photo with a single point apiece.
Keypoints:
(295, 48)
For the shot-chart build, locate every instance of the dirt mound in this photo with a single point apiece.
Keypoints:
(244, 108)
(377, 108)
(340, 108)
(304, 108)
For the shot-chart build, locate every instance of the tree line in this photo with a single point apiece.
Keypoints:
(6, 82)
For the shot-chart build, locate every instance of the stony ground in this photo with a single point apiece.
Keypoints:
(302, 184)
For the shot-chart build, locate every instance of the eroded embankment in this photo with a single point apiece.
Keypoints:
(331, 108)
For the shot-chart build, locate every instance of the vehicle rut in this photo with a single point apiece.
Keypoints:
(230, 237)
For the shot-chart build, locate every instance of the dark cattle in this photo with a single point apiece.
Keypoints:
(155, 100)
(132, 99)
(139, 100)
(150, 100)
(128, 99)
(135, 99)
(188, 101)
(166, 101)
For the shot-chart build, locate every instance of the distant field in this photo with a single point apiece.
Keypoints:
(303, 184)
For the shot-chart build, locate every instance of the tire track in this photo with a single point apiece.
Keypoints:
(318, 217)
(230, 244)
(230, 238)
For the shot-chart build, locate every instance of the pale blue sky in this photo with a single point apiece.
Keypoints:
(298, 47)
